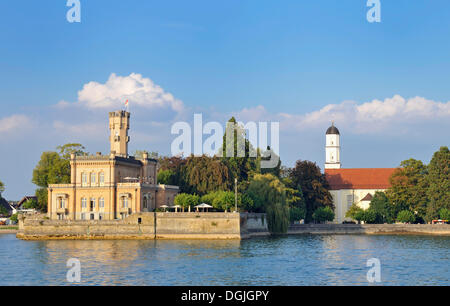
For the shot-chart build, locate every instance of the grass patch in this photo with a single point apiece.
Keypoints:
(8, 227)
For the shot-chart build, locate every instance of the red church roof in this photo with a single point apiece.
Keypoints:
(359, 178)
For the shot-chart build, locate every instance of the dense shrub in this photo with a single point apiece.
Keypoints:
(185, 200)
(405, 216)
(323, 214)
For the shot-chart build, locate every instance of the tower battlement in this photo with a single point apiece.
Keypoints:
(119, 124)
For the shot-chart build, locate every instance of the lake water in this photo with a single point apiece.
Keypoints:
(292, 260)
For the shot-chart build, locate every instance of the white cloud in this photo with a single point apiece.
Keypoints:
(62, 104)
(369, 117)
(86, 129)
(15, 123)
(138, 90)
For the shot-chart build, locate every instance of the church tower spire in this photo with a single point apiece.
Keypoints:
(333, 148)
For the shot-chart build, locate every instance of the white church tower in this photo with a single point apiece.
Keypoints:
(333, 148)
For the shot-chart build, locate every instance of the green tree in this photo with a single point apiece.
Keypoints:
(42, 198)
(444, 214)
(204, 174)
(269, 195)
(3, 211)
(406, 216)
(2, 188)
(177, 165)
(14, 218)
(295, 200)
(438, 181)
(271, 155)
(323, 214)
(185, 200)
(167, 177)
(296, 214)
(408, 188)
(54, 168)
(31, 204)
(71, 148)
(51, 169)
(225, 200)
(355, 212)
(382, 207)
(243, 161)
(359, 215)
(306, 175)
(368, 216)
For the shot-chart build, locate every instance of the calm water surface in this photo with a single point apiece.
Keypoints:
(293, 260)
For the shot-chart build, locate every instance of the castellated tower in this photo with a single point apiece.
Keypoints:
(333, 148)
(119, 124)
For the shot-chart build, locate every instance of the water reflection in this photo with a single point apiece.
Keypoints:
(295, 260)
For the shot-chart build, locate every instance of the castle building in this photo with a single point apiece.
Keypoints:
(348, 186)
(108, 187)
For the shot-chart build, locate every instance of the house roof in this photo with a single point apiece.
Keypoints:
(368, 197)
(26, 198)
(5, 204)
(359, 178)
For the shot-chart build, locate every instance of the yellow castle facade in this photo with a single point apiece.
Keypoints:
(108, 187)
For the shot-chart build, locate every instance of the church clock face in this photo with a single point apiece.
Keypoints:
(117, 133)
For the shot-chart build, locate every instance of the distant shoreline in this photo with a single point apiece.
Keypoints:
(371, 229)
(9, 229)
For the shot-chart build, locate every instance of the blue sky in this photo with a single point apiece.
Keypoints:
(264, 60)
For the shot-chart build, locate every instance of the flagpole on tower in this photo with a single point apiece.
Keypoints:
(126, 106)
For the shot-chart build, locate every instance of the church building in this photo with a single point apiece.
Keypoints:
(108, 187)
(348, 186)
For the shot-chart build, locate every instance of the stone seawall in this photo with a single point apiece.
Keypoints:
(374, 229)
(253, 225)
(149, 226)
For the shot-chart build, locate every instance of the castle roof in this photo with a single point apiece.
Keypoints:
(359, 178)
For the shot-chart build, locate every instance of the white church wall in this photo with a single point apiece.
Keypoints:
(344, 198)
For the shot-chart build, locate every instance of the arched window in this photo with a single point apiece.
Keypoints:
(62, 202)
(92, 203)
(93, 178)
(84, 179)
(145, 202)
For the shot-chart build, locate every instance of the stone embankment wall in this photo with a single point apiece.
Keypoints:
(396, 229)
(253, 225)
(149, 226)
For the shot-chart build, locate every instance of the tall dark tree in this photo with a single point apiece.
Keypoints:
(438, 181)
(204, 174)
(307, 176)
(241, 161)
(174, 171)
